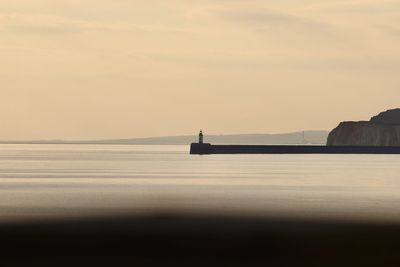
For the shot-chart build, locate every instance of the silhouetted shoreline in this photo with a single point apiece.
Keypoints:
(170, 239)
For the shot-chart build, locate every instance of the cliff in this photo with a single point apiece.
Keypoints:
(381, 130)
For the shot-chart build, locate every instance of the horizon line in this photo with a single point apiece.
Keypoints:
(38, 141)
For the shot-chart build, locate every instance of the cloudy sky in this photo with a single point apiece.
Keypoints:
(98, 69)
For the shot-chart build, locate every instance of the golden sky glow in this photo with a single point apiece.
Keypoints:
(98, 69)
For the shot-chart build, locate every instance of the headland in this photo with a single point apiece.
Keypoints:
(380, 130)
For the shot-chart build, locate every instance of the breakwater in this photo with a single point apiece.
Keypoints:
(208, 149)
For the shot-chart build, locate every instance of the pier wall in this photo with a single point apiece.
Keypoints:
(207, 149)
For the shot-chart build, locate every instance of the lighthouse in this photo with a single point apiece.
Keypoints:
(201, 138)
(200, 148)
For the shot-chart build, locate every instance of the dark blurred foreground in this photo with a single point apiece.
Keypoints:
(176, 240)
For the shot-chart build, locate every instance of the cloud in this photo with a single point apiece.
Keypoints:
(261, 19)
(358, 6)
(43, 24)
(264, 19)
(372, 18)
(280, 25)
(389, 29)
(38, 24)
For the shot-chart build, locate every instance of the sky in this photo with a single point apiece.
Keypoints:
(100, 69)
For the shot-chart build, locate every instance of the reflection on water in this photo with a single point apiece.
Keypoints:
(75, 180)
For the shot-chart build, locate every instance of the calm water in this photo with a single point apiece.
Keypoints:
(75, 180)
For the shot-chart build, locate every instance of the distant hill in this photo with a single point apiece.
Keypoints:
(311, 137)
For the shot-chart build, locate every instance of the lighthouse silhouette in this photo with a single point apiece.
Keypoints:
(201, 137)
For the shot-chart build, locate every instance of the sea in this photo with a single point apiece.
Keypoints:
(41, 181)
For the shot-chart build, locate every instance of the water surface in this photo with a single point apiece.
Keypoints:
(90, 180)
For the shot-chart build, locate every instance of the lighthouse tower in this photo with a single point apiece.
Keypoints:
(201, 138)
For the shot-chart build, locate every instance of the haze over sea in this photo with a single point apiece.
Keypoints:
(56, 181)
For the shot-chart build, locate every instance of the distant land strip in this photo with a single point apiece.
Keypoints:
(309, 137)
